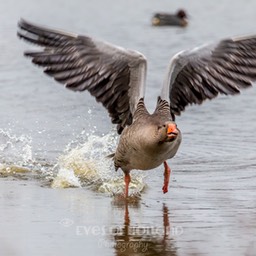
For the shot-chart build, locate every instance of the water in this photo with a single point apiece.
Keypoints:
(51, 139)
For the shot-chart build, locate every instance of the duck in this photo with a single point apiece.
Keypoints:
(116, 77)
(180, 18)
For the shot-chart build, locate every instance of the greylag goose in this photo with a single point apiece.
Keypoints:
(116, 78)
(180, 18)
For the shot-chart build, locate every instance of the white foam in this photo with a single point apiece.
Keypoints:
(87, 160)
(66, 178)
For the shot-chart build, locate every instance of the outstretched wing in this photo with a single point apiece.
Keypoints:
(204, 72)
(113, 75)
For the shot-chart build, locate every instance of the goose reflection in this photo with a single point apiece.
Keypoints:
(134, 240)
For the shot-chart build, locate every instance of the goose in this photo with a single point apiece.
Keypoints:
(168, 19)
(116, 78)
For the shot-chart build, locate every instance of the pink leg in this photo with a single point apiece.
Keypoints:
(127, 180)
(167, 173)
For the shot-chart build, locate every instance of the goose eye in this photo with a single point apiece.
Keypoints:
(161, 126)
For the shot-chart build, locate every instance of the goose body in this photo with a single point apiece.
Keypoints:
(116, 78)
(144, 144)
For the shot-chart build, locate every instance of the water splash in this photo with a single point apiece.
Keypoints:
(86, 164)
(83, 163)
(66, 178)
(6, 170)
(15, 148)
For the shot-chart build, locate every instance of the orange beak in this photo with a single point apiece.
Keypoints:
(172, 132)
(171, 128)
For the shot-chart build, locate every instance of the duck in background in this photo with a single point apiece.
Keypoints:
(167, 19)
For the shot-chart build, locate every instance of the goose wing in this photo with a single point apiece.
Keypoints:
(113, 75)
(207, 71)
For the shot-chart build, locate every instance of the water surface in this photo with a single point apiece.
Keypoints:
(51, 139)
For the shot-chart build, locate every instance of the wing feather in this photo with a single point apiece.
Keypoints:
(207, 71)
(113, 75)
